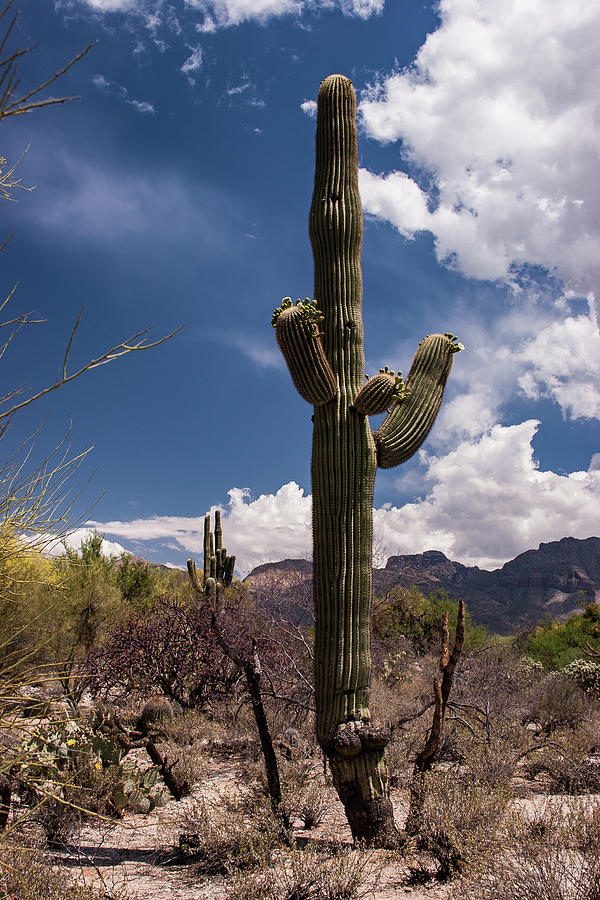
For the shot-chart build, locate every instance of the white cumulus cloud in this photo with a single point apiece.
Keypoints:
(562, 362)
(532, 351)
(310, 108)
(501, 109)
(487, 501)
(269, 528)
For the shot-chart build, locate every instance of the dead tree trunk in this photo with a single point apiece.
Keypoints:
(441, 692)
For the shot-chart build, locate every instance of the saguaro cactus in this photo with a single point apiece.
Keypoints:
(322, 342)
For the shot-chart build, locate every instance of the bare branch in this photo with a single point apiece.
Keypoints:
(411, 718)
(591, 651)
(131, 345)
(24, 104)
(441, 692)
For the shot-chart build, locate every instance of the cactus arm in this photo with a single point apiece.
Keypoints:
(299, 338)
(379, 393)
(409, 421)
(193, 574)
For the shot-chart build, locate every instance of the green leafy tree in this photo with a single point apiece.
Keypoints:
(134, 580)
(409, 613)
(88, 601)
(556, 644)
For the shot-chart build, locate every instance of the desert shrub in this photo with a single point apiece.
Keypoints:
(490, 763)
(27, 874)
(491, 692)
(556, 702)
(87, 601)
(586, 674)
(27, 595)
(305, 793)
(406, 612)
(553, 853)
(134, 581)
(58, 820)
(170, 649)
(398, 765)
(567, 763)
(311, 875)
(229, 836)
(555, 644)
(215, 732)
(312, 804)
(460, 819)
(407, 709)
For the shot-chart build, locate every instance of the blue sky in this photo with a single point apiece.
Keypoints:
(176, 190)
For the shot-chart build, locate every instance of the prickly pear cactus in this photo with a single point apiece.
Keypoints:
(72, 752)
(322, 342)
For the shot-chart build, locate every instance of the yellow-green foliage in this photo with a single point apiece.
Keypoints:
(556, 644)
(408, 612)
(52, 611)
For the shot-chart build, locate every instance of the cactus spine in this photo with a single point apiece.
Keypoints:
(326, 360)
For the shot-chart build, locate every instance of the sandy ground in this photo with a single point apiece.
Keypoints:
(138, 854)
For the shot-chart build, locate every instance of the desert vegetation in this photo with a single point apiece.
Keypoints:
(126, 725)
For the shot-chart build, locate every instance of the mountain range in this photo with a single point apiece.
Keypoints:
(556, 579)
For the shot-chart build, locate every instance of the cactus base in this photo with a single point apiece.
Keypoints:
(361, 784)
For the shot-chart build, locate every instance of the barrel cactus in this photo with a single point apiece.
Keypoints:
(322, 342)
(155, 714)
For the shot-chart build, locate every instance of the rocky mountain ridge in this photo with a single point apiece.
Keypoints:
(556, 579)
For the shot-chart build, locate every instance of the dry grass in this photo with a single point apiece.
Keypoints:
(228, 836)
(553, 854)
(29, 874)
(311, 875)
(461, 818)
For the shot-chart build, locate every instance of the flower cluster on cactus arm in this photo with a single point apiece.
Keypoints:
(308, 308)
(401, 389)
(456, 344)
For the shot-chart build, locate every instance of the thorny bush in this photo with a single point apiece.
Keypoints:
(170, 649)
(310, 875)
(173, 650)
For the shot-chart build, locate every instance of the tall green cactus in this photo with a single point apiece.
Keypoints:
(218, 567)
(322, 342)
